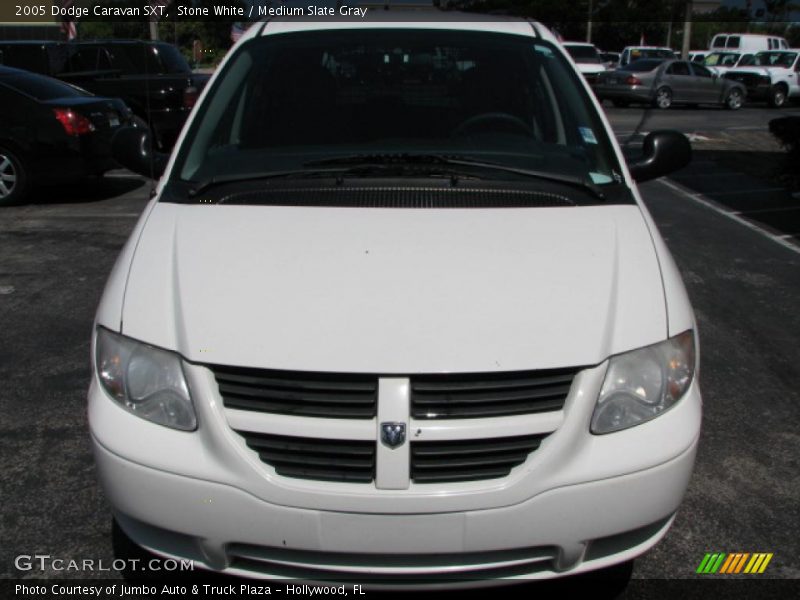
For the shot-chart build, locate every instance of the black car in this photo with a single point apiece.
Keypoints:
(52, 132)
(153, 78)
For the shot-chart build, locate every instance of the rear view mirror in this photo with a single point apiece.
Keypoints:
(663, 152)
(132, 147)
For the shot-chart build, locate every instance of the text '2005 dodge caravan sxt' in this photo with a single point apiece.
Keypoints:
(396, 312)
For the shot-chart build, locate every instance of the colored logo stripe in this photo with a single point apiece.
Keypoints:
(711, 562)
(734, 563)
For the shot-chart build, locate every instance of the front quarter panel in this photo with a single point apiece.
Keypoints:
(109, 312)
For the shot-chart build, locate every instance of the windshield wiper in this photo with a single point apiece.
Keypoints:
(355, 168)
(455, 160)
(202, 186)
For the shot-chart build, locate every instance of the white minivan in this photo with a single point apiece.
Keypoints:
(396, 312)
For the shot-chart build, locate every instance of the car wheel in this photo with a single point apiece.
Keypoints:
(734, 99)
(663, 97)
(13, 178)
(777, 97)
(621, 103)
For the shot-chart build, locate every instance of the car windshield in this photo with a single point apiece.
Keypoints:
(583, 54)
(640, 53)
(775, 59)
(285, 101)
(721, 59)
(41, 88)
(642, 66)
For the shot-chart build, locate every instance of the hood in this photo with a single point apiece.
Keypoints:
(395, 291)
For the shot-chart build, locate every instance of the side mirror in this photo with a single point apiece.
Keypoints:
(132, 147)
(663, 152)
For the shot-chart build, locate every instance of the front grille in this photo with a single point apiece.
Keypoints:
(457, 396)
(319, 459)
(750, 80)
(396, 568)
(325, 395)
(469, 460)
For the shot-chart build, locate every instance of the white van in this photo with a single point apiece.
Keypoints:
(587, 59)
(397, 328)
(747, 42)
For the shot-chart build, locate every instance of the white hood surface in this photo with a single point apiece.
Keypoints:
(395, 290)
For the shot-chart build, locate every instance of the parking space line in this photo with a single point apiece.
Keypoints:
(708, 203)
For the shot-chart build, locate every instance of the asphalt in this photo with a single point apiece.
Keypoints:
(744, 284)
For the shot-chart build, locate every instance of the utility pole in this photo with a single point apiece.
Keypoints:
(154, 30)
(589, 23)
(687, 31)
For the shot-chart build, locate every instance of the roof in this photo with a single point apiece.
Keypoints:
(422, 19)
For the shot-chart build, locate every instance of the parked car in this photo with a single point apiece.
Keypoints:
(722, 62)
(696, 56)
(667, 82)
(610, 59)
(397, 311)
(634, 53)
(747, 42)
(773, 76)
(153, 78)
(52, 132)
(588, 59)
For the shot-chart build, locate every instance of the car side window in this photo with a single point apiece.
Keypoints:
(83, 59)
(678, 68)
(701, 71)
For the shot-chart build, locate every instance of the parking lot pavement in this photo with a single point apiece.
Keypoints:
(744, 285)
(745, 289)
(55, 258)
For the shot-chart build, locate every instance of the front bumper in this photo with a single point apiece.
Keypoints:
(580, 502)
(568, 530)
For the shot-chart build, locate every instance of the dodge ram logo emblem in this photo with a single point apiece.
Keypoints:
(393, 434)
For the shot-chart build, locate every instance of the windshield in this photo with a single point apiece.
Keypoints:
(286, 101)
(721, 59)
(775, 59)
(583, 54)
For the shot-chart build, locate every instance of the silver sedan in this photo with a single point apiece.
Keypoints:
(667, 82)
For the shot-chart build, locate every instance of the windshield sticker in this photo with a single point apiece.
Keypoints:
(588, 135)
(599, 178)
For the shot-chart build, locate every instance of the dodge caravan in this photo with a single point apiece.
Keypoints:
(396, 312)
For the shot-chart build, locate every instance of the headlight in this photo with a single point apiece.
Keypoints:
(147, 381)
(642, 384)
